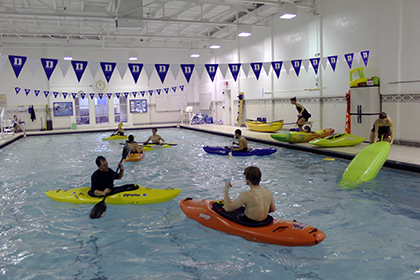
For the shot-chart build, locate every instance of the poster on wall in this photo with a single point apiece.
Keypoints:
(63, 109)
(138, 106)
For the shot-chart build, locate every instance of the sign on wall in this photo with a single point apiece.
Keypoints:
(63, 109)
(138, 106)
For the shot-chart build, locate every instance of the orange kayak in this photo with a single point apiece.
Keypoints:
(278, 232)
(135, 156)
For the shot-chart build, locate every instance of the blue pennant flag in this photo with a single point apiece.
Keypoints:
(135, 69)
(74, 94)
(55, 93)
(151, 92)
(234, 69)
(92, 95)
(37, 91)
(256, 67)
(315, 64)
(181, 87)
(83, 95)
(64, 94)
(46, 93)
(349, 59)
(211, 70)
(158, 91)
(118, 94)
(100, 95)
(108, 68)
(174, 89)
(166, 90)
(79, 68)
(27, 91)
(333, 61)
(142, 93)
(126, 94)
(277, 67)
(17, 89)
(296, 65)
(17, 63)
(187, 69)
(109, 94)
(134, 93)
(49, 66)
(162, 70)
(365, 56)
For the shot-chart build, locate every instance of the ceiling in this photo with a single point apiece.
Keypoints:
(175, 24)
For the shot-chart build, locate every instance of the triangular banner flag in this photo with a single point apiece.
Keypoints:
(83, 95)
(142, 93)
(211, 70)
(118, 94)
(266, 66)
(187, 70)
(17, 63)
(234, 70)
(126, 94)
(305, 63)
(46, 93)
(17, 90)
(150, 92)
(175, 70)
(181, 87)
(245, 68)
(162, 70)
(3, 59)
(93, 66)
(149, 70)
(296, 65)
(64, 66)
(324, 61)
(277, 67)
(341, 59)
(333, 61)
(122, 68)
(92, 95)
(223, 70)
(166, 90)
(315, 64)
(199, 69)
(33, 64)
(27, 91)
(256, 67)
(108, 68)
(135, 69)
(101, 94)
(79, 68)
(74, 94)
(64, 94)
(158, 91)
(37, 91)
(365, 56)
(55, 93)
(134, 93)
(174, 89)
(109, 94)
(49, 66)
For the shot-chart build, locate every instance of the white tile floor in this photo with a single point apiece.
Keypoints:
(401, 157)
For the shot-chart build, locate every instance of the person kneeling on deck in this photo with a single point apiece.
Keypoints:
(134, 146)
(242, 143)
(383, 129)
(258, 201)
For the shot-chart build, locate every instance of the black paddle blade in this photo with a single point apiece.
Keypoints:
(98, 210)
(125, 152)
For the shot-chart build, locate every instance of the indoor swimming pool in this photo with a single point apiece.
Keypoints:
(372, 230)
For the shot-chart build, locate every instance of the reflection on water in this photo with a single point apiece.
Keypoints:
(371, 229)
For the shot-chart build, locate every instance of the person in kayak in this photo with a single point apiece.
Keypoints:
(156, 139)
(242, 143)
(383, 129)
(303, 114)
(119, 131)
(102, 180)
(134, 146)
(258, 201)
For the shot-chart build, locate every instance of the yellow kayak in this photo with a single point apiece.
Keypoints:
(338, 140)
(134, 194)
(301, 137)
(264, 126)
(151, 147)
(116, 137)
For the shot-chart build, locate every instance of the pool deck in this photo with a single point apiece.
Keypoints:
(401, 157)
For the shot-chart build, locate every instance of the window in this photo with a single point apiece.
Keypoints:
(82, 111)
(120, 109)
(101, 110)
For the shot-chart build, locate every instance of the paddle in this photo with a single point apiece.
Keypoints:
(230, 153)
(119, 126)
(98, 211)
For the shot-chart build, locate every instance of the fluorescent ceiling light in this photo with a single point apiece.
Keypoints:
(287, 11)
(67, 55)
(194, 54)
(132, 56)
(244, 30)
(214, 44)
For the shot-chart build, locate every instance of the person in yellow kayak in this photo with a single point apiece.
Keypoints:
(155, 138)
(119, 131)
(134, 146)
(102, 180)
(383, 129)
(303, 114)
(258, 201)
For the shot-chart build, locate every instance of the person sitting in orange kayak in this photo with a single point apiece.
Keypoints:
(134, 146)
(258, 201)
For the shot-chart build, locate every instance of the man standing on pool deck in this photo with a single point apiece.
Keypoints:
(383, 127)
(258, 201)
(242, 143)
(102, 180)
(155, 138)
(303, 115)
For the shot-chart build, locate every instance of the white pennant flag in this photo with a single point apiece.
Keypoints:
(3, 59)
(245, 68)
(149, 70)
(223, 69)
(324, 61)
(174, 69)
(122, 68)
(305, 63)
(357, 57)
(287, 65)
(33, 64)
(266, 66)
(93, 66)
(342, 59)
(199, 69)
(64, 66)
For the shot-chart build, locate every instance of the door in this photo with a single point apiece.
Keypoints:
(227, 107)
(365, 106)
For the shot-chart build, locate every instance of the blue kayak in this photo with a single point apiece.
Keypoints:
(250, 152)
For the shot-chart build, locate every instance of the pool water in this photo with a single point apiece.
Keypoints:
(372, 230)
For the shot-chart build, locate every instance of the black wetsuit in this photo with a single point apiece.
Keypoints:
(102, 180)
(383, 131)
(303, 112)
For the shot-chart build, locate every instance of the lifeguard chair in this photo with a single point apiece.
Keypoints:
(187, 114)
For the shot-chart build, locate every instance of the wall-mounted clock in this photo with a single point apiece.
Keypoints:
(99, 86)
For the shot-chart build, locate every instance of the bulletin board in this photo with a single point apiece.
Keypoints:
(171, 102)
(63, 109)
(138, 106)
